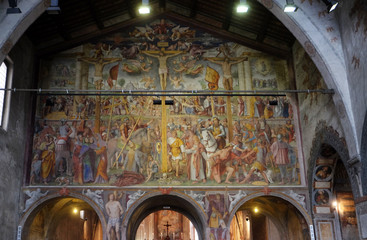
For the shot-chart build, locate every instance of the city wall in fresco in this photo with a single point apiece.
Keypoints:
(199, 140)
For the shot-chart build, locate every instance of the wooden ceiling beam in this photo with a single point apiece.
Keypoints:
(162, 5)
(263, 29)
(194, 8)
(59, 22)
(93, 11)
(215, 31)
(131, 8)
(93, 34)
(230, 36)
(229, 12)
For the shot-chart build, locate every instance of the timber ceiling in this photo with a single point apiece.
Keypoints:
(82, 20)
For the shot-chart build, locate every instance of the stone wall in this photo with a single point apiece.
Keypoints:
(13, 143)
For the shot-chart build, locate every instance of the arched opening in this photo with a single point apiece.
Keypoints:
(332, 197)
(163, 223)
(344, 203)
(268, 218)
(63, 218)
(159, 204)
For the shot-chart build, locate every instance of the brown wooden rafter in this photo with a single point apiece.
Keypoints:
(229, 12)
(93, 12)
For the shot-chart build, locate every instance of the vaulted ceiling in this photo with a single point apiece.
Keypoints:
(82, 20)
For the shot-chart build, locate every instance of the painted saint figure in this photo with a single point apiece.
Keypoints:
(114, 211)
(198, 158)
(218, 132)
(280, 153)
(177, 149)
(260, 164)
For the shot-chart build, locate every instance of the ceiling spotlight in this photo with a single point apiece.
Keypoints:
(144, 8)
(54, 7)
(290, 6)
(331, 5)
(13, 7)
(242, 7)
(256, 210)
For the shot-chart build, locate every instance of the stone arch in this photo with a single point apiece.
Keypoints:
(155, 201)
(37, 206)
(327, 135)
(14, 25)
(364, 156)
(281, 195)
(327, 57)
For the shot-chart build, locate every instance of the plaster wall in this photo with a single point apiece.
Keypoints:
(13, 141)
(313, 107)
(353, 29)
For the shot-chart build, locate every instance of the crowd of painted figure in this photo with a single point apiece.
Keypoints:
(199, 148)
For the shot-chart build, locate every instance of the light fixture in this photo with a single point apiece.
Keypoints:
(335, 205)
(75, 211)
(331, 5)
(290, 6)
(81, 214)
(256, 210)
(242, 7)
(13, 7)
(54, 7)
(144, 8)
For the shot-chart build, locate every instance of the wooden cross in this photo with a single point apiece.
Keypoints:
(167, 225)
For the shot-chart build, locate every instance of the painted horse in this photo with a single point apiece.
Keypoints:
(211, 146)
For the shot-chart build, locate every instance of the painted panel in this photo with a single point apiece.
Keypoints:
(124, 140)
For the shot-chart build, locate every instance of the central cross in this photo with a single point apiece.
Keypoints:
(167, 226)
(162, 56)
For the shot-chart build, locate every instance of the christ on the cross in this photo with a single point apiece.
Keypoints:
(226, 64)
(162, 57)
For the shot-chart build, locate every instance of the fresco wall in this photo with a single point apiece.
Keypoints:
(125, 140)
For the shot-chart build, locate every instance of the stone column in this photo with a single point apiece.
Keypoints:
(361, 211)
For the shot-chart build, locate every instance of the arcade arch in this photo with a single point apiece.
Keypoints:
(66, 218)
(269, 217)
(266, 215)
(334, 185)
(151, 204)
(163, 223)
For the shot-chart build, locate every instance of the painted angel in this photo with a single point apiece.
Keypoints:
(146, 32)
(176, 82)
(134, 66)
(177, 32)
(189, 68)
(133, 197)
(95, 196)
(33, 197)
(148, 82)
